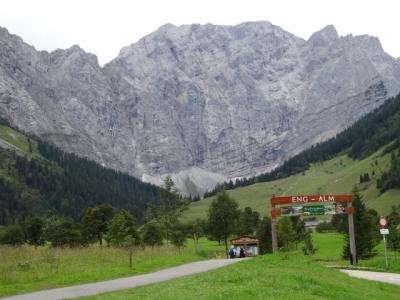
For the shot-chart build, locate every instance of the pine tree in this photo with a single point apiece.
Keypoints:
(264, 235)
(308, 248)
(286, 234)
(393, 237)
(365, 229)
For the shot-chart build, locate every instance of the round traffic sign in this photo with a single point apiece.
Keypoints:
(383, 222)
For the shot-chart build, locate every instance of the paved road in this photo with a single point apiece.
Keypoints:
(127, 282)
(378, 276)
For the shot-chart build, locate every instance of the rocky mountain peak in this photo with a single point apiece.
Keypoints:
(74, 54)
(202, 103)
(325, 36)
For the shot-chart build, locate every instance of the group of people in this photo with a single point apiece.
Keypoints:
(232, 252)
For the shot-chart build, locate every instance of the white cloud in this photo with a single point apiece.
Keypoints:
(104, 27)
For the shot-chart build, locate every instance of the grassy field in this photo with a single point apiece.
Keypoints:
(329, 253)
(278, 276)
(335, 176)
(329, 247)
(19, 140)
(25, 269)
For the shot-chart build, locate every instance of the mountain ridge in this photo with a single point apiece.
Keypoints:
(229, 101)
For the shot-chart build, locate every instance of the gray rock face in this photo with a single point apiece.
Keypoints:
(201, 102)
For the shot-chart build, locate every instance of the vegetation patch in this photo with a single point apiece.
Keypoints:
(26, 268)
(282, 276)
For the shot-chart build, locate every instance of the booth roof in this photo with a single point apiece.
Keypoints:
(242, 240)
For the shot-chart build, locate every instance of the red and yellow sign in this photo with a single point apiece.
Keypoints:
(310, 199)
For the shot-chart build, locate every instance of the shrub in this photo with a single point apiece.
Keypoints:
(324, 227)
(12, 235)
(63, 233)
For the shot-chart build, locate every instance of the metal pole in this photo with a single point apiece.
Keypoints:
(386, 259)
(352, 239)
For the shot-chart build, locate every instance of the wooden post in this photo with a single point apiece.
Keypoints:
(274, 234)
(352, 240)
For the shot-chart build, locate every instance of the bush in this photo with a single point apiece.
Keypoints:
(152, 234)
(34, 231)
(325, 227)
(63, 233)
(12, 235)
(178, 236)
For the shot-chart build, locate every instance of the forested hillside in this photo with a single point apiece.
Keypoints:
(360, 140)
(39, 179)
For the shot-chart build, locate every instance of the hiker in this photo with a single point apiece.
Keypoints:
(232, 252)
(241, 253)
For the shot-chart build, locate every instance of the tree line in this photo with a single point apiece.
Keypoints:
(64, 185)
(226, 220)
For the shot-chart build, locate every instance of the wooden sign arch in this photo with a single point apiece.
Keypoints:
(308, 201)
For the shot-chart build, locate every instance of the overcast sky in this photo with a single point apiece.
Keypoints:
(104, 27)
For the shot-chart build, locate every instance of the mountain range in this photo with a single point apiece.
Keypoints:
(203, 103)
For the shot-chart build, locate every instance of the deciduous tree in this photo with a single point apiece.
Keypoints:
(222, 217)
(95, 222)
(121, 229)
(152, 234)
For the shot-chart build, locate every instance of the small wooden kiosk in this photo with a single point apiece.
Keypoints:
(249, 244)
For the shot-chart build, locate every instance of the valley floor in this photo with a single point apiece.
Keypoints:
(282, 276)
(26, 269)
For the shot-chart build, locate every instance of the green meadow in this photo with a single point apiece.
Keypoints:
(336, 176)
(280, 276)
(24, 269)
(18, 140)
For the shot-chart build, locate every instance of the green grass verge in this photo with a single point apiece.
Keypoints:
(18, 140)
(25, 269)
(281, 276)
(335, 176)
(330, 247)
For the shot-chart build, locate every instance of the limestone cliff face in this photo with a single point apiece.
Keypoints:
(202, 102)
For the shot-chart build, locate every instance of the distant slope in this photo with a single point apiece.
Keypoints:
(370, 146)
(373, 131)
(39, 179)
(334, 176)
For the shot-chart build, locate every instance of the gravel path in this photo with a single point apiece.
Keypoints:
(127, 282)
(393, 278)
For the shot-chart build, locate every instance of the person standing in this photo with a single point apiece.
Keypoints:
(241, 253)
(232, 252)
